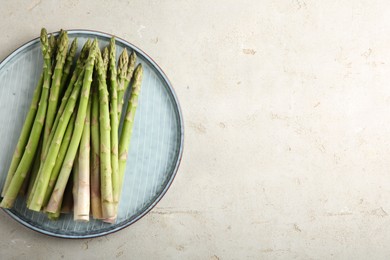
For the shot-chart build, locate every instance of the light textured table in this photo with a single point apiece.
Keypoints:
(287, 114)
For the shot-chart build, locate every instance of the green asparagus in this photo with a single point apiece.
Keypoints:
(60, 159)
(105, 141)
(68, 64)
(58, 192)
(122, 73)
(62, 49)
(32, 144)
(114, 120)
(128, 122)
(78, 136)
(96, 205)
(47, 166)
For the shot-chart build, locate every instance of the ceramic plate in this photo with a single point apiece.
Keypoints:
(154, 153)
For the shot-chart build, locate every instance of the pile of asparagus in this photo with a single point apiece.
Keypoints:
(72, 154)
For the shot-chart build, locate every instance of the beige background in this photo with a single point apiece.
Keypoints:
(287, 117)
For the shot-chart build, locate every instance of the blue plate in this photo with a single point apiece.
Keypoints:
(155, 150)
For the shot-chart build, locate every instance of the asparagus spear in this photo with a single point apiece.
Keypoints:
(60, 159)
(96, 206)
(68, 65)
(129, 75)
(36, 201)
(24, 135)
(53, 47)
(105, 143)
(32, 144)
(83, 190)
(128, 123)
(130, 72)
(58, 192)
(122, 73)
(114, 120)
(62, 49)
(130, 68)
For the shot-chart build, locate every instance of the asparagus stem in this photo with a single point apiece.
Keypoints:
(62, 49)
(105, 143)
(60, 159)
(96, 206)
(122, 73)
(53, 216)
(114, 121)
(47, 165)
(68, 65)
(24, 135)
(58, 192)
(127, 129)
(34, 169)
(23, 189)
(32, 144)
(67, 201)
(83, 182)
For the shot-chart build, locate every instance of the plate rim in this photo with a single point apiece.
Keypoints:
(180, 152)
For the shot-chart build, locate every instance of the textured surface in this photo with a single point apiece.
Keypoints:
(287, 149)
